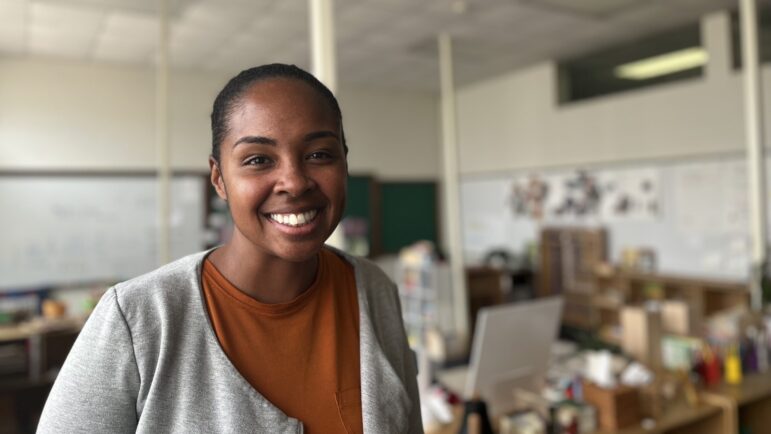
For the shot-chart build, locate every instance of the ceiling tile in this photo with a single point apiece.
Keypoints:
(131, 25)
(364, 15)
(61, 30)
(13, 17)
(596, 8)
(72, 19)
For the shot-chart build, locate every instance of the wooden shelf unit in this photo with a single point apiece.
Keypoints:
(574, 264)
(704, 297)
(568, 258)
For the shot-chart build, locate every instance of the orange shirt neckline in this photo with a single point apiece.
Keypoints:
(272, 309)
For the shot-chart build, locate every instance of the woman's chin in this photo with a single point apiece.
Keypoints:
(299, 253)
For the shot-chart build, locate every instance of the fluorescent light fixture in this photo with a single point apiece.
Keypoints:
(664, 64)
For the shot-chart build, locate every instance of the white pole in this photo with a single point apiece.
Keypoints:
(324, 66)
(162, 135)
(753, 114)
(323, 54)
(451, 189)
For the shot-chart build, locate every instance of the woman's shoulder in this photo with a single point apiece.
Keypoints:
(174, 285)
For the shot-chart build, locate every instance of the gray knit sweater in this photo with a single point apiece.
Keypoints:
(148, 361)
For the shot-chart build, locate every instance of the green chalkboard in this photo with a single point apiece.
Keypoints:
(359, 198)
(408, 213)
(362, 202)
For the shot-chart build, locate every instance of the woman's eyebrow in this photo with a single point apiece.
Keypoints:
(256, 140)
(262, 140)
(320, 135)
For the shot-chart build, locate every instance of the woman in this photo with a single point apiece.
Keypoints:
(272, 332)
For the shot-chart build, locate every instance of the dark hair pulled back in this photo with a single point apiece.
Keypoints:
(229, 97)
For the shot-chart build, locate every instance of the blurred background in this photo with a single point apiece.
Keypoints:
(606, 152)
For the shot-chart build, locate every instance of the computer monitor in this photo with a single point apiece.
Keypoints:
(511, 350)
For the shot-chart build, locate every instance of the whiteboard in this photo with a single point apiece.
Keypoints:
(57, 230)
(700, 227)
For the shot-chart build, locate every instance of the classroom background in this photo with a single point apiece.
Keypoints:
(572, 190)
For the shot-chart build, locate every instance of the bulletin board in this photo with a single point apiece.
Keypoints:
(693, 213)
(67, 229)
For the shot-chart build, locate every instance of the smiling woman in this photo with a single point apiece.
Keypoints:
(271, 332)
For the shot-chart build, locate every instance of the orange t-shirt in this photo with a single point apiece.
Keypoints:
(303, 356)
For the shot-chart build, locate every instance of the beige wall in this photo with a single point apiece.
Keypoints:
(65, 115)
(514, 121)
(391, 134)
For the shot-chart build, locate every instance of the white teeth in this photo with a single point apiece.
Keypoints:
(294, 219)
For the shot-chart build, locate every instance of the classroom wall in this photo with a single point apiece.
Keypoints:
(394, 135)
(514, 121)
(689, 135)
(60, 115)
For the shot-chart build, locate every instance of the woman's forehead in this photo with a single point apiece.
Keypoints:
(280, 105)
(278, 88)
(285, 94)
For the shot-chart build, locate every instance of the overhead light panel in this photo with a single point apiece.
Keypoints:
(664, 64)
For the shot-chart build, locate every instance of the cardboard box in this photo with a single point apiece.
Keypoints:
(641, 335)
(676, 317)
(616, 408)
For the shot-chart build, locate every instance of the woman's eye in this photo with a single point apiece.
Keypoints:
(257, 160)
(320, 155)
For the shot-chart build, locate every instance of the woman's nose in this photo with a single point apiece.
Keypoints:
(294, 180)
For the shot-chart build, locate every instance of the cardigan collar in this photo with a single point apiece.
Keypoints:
(381, 386)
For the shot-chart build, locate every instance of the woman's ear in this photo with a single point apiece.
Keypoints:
(215, 176)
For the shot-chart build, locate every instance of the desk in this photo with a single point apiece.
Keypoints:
(39, 326)
(747, 405)
(454, 379)
(27, 373)
(722, 410)
(680, 418)
(450, 428)
(46, 343)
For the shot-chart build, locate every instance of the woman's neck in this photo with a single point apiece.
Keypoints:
(262, 276)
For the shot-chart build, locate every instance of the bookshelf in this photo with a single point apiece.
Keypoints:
(574, 264)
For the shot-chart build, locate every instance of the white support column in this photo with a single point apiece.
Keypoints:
(323, 54)
(451, 189)
(716, 38)
(753, 114)
(162, 135)
(324, 64)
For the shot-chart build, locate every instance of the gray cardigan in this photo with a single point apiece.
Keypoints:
(148, 361)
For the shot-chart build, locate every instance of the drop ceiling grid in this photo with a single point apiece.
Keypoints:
(377, 39)
(510, 14)
(60, 31)
(587, 8)
(209, 16)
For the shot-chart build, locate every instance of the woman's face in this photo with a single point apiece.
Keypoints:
(282, 169)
